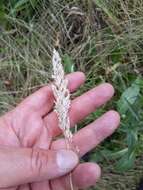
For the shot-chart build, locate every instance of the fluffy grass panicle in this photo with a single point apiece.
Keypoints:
(62, 101)
(62, 96)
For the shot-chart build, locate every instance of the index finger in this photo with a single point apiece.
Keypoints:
(42, 100)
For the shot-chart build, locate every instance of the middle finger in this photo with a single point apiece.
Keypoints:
(90, 136)
(81, 107)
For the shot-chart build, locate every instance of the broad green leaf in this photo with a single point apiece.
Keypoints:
(126, 162)
(129, 96)
(132, 140)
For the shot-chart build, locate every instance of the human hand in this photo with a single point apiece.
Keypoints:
(31, 154)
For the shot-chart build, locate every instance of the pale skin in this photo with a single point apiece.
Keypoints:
(31, 152)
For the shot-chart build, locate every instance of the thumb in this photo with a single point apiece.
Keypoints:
(24, 165)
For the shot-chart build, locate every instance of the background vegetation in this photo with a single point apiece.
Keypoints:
(102, 38)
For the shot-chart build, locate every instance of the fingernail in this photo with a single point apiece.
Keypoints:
(66, 160)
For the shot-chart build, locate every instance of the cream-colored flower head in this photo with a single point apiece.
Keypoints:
(62, 95)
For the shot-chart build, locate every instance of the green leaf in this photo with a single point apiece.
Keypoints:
(19, 5)
(115, 155)
(68, 64)
(99, 156)
(129, 96)
(132, 140)
(2, 14)
(34, 3)
(126, 162)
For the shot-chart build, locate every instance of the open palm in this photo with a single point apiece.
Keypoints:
(33, 124)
